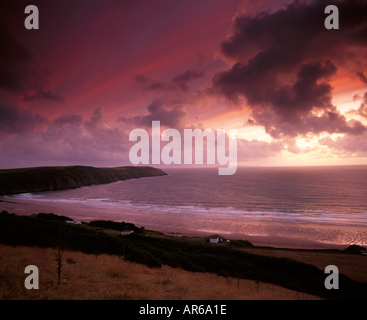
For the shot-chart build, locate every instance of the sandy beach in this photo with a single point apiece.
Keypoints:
(309, 252)
(263, 241)
(154, 222)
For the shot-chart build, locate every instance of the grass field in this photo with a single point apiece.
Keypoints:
(107, 277)
(99, 263)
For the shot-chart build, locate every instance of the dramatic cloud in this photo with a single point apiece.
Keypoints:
(96, 120)
(15, 120)
(170, 113)
(362, 110)
(68, 119)
(283, 63)
(278, 76)
(297, 33)
(30, 140)
(179, 82)
(41, 94)
(362, 76)
(346, 146)
(18, 71)
(182, 79)
(15, 63)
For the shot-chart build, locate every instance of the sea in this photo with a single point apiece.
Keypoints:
(275, 206)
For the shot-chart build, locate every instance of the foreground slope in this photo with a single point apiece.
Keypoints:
(156, 253)
(107, 277)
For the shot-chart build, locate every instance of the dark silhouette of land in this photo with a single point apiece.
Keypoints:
(24, 180)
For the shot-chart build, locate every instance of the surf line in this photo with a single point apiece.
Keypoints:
(171, 152)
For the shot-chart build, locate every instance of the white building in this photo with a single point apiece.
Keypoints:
(214, 240)
(74, 222)
(126, 232)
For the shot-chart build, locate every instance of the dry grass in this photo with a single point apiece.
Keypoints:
(106, 277)
(353, 266)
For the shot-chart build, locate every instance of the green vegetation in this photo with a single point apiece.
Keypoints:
(354, 249)
(51, 216)
(154, 251)
(23, 230)
(120, 226)
(24, 180)
(241, 244)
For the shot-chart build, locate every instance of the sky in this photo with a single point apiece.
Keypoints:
(72, 91)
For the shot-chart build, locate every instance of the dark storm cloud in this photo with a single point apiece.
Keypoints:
(297, 32)
(15, 63)
(15, 120)
(182, 79)
(283, 62)
(179, 82)
(33, 140)
(68, 119)
(42, 94)
(160, 85)
(329, 121)
(362, 76)
(169, 110)
(18, 71)
(170, 114)
(96, 120)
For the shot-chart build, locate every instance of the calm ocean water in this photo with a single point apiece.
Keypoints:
(325, 204)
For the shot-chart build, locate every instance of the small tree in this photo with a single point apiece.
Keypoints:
(96, 244)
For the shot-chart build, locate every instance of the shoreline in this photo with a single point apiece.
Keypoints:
(140, 219)
(259, 241)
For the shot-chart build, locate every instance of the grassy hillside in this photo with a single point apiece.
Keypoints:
(85, 277)
(23, 180)
(158, 252)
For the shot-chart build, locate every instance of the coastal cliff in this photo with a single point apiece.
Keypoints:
(13, 181)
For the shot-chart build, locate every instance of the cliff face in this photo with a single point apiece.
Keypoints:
(24, 180)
